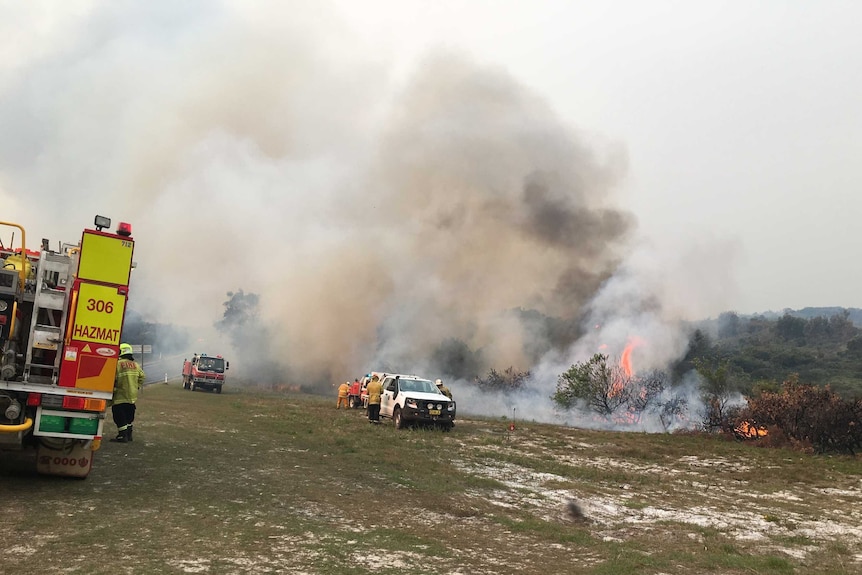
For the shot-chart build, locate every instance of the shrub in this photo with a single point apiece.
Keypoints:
(809, 415)
(508, 380)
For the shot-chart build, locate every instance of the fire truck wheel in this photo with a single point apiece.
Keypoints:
(351, 403)
(192, 386)
(398, 419)
(218, 389)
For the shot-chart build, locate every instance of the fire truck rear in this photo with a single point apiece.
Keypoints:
(61, 316)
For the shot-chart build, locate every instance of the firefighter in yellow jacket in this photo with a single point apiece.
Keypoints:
(343, 392)
(127, 383)
(374, 390)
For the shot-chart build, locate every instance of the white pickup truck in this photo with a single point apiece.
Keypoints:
(410, 399)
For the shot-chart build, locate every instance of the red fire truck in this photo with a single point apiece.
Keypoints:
(61, 316)
(204, 372)
(357, 396)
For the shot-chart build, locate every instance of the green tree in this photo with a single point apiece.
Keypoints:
(596, 382)
(454, 358)
(790, 328)
(250, 338)
(240, 310)
(729, 325)
(699, 346)
(854, 347)
(716, 392)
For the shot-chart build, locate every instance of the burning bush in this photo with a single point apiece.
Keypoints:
(595, 382)
(809, 415)
(614, 392)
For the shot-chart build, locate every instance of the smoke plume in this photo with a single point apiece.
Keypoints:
(257, 147)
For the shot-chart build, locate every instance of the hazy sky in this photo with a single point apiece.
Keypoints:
(741, 119)
(388, 163)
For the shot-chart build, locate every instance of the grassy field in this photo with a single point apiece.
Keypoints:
(257, 482)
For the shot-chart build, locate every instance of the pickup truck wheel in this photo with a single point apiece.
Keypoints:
(398, 419)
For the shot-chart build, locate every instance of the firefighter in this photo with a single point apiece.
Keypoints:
(127, 383)
(374, 389)
(343, 391)
(443, 389)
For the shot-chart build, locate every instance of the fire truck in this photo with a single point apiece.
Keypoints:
(357, 396)
(61, 316)
(204, 372)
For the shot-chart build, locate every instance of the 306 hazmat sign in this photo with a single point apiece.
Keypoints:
(99, 314)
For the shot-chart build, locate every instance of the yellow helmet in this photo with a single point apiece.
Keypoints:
(126, 349)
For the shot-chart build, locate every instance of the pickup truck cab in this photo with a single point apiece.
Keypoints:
(408, 399)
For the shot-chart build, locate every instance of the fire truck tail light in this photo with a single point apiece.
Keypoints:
(95, 405)
(34, 399)
(73, 402)
(83, 403)
(124, 229)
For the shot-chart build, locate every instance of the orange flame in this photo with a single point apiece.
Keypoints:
(626, 365)
(749, 431)
(626, 358)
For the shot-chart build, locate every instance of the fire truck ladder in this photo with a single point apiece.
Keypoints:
(50, 311)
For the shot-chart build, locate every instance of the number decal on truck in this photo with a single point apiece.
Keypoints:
(100, 306)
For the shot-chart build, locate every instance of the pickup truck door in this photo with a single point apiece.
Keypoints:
(387, 398)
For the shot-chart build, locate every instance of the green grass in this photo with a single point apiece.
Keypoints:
(255, 482)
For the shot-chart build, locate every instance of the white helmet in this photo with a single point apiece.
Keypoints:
(439, 382)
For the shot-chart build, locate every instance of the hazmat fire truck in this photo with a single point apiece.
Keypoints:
(204, 372)
(61, 316)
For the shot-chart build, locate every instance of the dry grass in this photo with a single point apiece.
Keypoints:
(250, 482)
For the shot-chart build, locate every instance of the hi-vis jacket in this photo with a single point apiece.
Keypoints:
(129, 380)
(374, 389)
